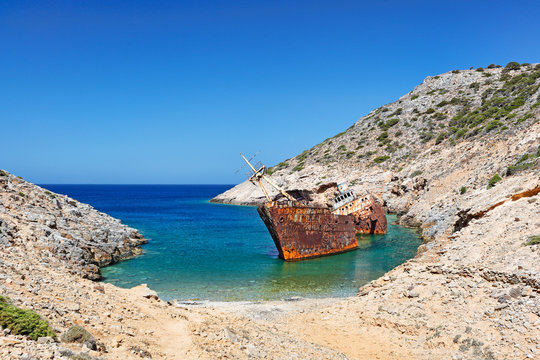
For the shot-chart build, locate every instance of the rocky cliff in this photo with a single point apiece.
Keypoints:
(62, 228)
(426, 154)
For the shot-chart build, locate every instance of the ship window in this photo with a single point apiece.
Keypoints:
(281, 219)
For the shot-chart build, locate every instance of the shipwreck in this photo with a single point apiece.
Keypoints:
(303, 230)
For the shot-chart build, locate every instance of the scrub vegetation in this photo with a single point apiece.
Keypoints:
(23, 322)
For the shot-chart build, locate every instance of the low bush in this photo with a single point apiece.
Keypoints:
(533, 240)
(495, 179)
(381, 159)
(513, 65)
(383, 136)
(443, 135)
(76, 334)
(463, 190)
(23, 322)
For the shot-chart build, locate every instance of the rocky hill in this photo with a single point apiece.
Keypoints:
(466, 172)
(62, 228)
(458, 157)
(446, 139)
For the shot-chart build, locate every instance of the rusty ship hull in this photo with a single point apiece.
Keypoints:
(301, 231)
(369, 215)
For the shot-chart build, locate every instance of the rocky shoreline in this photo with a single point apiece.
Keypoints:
(82, 237)
(472, 291)
(473, 294)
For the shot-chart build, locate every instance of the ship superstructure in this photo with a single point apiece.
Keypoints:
(301, 230)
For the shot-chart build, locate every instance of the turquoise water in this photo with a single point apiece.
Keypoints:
(199, 250)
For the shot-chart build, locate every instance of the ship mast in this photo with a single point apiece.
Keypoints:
(259, 174)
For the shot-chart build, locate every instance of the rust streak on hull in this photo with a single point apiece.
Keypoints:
(302, 232)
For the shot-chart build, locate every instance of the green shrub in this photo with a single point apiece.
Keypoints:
(430, 111)
(443, 103)
(21, 194)
(23, 322)
(303, 156)
(3, 173)
(52, 196)
(414, 97)
(381, 159)
(492, 125)
(495, 179)
(526, 161)
(426, 136)
(460, 133)
(397, 112)
(492, 66)
(455, 71)
(463, 190)
(392, 122)
(383, 136)
(438, 116)
(514, 169)
(533, 240)
(416, 173)
(443, 135)
(298, 167)
(512, 66)
(480, 69)
(524, 118)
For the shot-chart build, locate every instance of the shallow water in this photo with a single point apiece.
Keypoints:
(199, 250)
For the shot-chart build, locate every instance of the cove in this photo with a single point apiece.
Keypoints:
(203, 251)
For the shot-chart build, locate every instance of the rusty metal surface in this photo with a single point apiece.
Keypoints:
(301, 231)
(369, 215)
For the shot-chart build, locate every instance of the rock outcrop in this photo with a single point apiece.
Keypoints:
(61, 227)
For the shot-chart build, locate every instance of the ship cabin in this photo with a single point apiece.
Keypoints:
(343, 198)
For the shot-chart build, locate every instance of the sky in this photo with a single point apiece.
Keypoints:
(159, 92)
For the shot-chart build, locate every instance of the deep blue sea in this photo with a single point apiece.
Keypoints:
(199, 250)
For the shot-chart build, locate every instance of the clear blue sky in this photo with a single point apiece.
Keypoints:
(171, 92)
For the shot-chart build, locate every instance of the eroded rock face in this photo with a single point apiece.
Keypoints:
(63, 227)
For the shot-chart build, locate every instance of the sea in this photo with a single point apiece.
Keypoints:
(198, 250)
